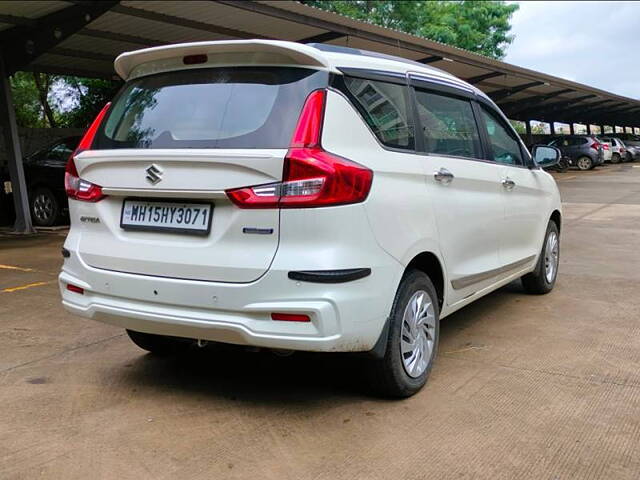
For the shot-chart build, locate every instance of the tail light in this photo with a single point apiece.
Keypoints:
(312, 177)
(596, 145)
(605, 146)
(76, 187)
(623, 150)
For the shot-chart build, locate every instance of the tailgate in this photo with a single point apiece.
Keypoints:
(226, 254)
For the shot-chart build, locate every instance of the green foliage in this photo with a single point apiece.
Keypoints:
(480, 27)
(43, 100)
(29, 111)
(538, 128)
(518, 126)
(87, 95)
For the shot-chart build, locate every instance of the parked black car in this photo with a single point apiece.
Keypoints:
(44, 175)
(583, 151)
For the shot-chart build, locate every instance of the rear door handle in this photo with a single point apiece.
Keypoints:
(443, 176)
(508, 183)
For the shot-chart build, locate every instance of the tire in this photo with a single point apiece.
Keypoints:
(45, 208)
(584, 163)
(160, 345)
(562, 166)
(543, 278)
(394, 375)
(615, 158)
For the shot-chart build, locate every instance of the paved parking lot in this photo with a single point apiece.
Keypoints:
(524, 387)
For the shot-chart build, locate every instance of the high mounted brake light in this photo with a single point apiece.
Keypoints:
(76, 187)
(312, 177)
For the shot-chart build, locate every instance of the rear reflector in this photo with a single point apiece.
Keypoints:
(75, 289)
(290, 317)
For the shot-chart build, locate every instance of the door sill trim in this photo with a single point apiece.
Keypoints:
(469, 280)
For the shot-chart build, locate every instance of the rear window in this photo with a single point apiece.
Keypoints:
(239, 107)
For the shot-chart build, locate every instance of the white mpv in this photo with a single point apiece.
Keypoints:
(301, 197)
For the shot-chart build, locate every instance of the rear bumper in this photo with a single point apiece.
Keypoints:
(344, 316)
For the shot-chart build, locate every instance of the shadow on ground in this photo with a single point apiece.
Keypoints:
(261, 377)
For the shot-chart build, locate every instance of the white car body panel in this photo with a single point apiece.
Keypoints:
(224, 286)
(607, 153)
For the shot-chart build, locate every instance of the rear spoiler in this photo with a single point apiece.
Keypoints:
(221, 53)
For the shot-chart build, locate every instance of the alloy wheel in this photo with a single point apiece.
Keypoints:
(43, 208)
(584, 163)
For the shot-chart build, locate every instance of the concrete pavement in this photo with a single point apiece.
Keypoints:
(524, 386)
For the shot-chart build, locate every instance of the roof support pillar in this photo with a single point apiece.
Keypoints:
(14, 155)
(527, 125)
(571, 130)
(552, 127)
(588, 128)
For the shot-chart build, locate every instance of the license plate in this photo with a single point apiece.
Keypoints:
(179, 217)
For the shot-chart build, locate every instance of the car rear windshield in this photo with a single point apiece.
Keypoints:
(239, 107)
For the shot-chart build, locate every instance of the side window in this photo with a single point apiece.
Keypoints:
(447, 125)
(506, 149)
(384, 107)
(60, 152)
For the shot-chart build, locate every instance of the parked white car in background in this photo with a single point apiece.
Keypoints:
(301, 197)
(618, 150)
(607, 148)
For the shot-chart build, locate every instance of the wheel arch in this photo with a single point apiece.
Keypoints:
(425, 261)
(556, 217)
(430, 264)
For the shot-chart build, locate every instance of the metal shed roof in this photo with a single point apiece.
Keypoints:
(83, 38)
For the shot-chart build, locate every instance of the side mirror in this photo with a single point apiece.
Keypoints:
(545, 155)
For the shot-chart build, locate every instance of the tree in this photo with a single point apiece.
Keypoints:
(480, 27)
(43, 100)
(26, 99)
(86, 96)
(518, 126)
(43, 83)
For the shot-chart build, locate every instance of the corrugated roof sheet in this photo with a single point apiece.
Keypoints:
(134, 24)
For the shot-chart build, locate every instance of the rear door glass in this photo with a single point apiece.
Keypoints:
(448, 125)
(239, 107)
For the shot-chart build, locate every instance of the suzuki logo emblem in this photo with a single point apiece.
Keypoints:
(154, 174)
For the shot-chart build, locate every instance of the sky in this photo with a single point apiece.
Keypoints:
(594, 43)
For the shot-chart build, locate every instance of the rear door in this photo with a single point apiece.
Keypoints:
(172, 144)
(463, 186)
